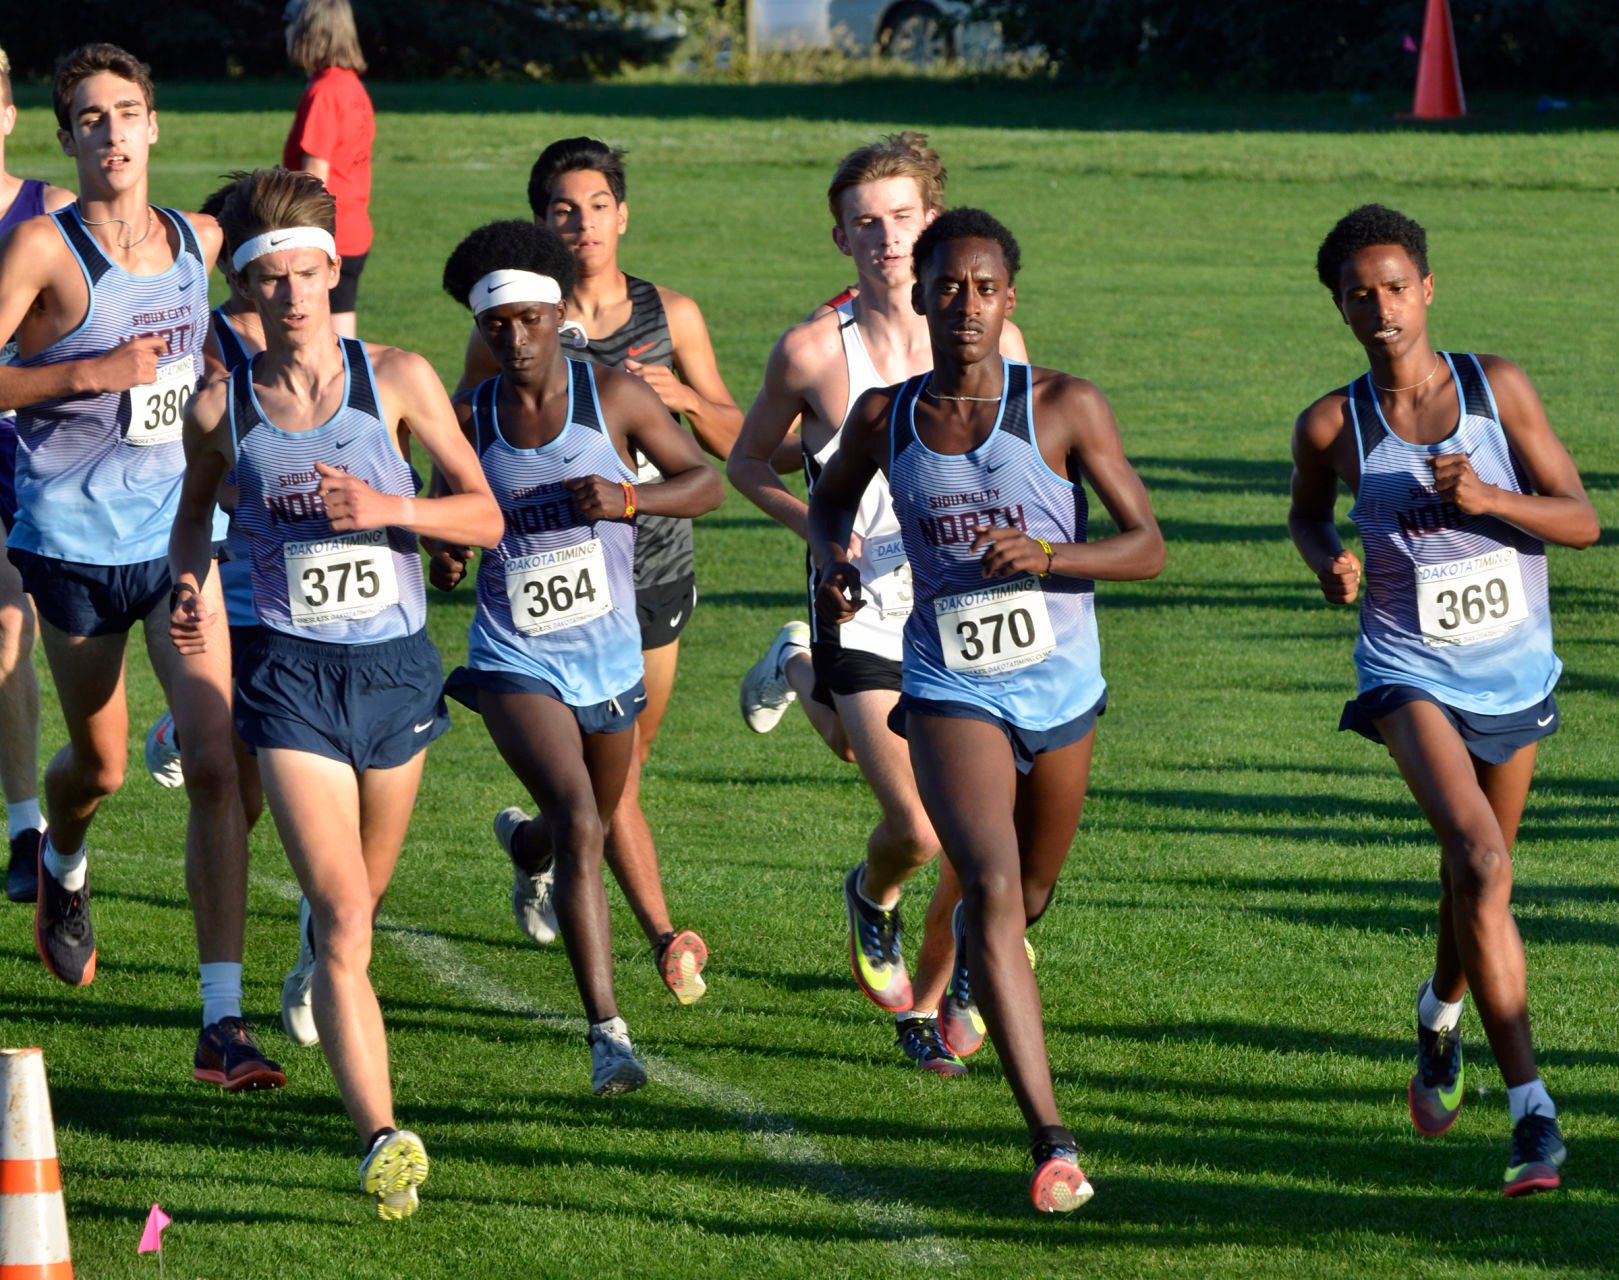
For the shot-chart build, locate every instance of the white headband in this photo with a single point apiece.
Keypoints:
(500, 287)
(285, 238)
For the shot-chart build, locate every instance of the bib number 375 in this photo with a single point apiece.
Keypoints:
(991, 631)
(341, 578)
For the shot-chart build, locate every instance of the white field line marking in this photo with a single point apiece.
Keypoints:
(771, 1133)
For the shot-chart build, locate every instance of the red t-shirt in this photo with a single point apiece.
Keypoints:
(334, 123)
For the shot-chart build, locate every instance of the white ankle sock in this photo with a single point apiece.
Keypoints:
(1524, 1099)
(1437, 1014)
(221, 983)
(24, 816)
(67, 869)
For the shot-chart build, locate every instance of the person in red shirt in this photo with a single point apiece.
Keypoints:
(332, 133)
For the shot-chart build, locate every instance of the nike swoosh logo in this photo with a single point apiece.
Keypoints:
(1451, 1098)
(185, 284)
(1547, 720)
(344, 444)
(424, 727)
(642, 698)
(675, 621)
(572, 456)
(504, 284)
(277, 243)
(994, 466)
(636, 351)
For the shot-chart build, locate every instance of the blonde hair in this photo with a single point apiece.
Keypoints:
(273, 200)
(5, 79)
(322, 34)
(895, 155)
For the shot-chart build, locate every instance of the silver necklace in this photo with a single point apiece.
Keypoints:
(1414, 385)
(928, 391)
(107, 222)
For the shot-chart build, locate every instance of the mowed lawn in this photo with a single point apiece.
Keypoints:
(1231, 958)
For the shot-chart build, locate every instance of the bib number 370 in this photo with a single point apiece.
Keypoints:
(994, 630)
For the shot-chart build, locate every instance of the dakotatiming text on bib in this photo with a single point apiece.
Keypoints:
(551, 590)
(340, 579)
(994, 629)
(1469, 600)
(890, 587)
(157, 409)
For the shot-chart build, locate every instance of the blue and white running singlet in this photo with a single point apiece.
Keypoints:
(1454, 604)
(236, 564)
(1023, 648)
(556, 598)
(98, 475)
(342, 588)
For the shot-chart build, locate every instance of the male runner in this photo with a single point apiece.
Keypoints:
(109, 302)
(847, 677)
(1459, 482)
(578, 188)
(20, 199)
(1002, 676)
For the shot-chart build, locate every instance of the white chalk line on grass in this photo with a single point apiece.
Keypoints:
(770, 1133)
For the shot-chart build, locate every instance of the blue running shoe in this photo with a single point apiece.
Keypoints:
(1435, 1093)
(919, 1041)
(1537, 1154)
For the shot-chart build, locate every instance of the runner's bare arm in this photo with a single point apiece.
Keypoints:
(1317, 436)
(837, 497)
(698, 392)
(690, 485)
(1557, 510)
(207, 448)
(752, 466)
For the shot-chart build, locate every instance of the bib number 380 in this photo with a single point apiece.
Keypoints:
(157, 409)
(994, 630)
(1466, 601)
(340, 578)
(551, 590)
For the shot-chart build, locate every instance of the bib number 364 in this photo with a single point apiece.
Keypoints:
(994, 630)
(552, 590)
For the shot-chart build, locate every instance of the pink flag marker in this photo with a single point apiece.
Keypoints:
(152, 1237)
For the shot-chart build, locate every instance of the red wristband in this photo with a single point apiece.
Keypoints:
(629, 498)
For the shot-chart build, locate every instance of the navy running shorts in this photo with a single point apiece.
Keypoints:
(372, 706)
(613, 716)
(849, 671)
(8, 470)
(1492, 739)
(1026, 744)
(664, 609)
(92, 599)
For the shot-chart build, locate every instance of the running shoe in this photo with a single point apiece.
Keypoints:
(1435, 1094)
(228, 1055)
(960, 1024)
(22, 872)
(874, 948)
(533, 892)
(63, 935)
(614, 1068)
(1059, 1185)
(765, 693)
(163, 753)
(1537, 1153)
(297, 1012)
(919, 1040)
(680, 958)
(392, 1170)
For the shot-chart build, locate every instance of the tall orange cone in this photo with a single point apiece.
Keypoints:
(1439, 74)
(33, 1222)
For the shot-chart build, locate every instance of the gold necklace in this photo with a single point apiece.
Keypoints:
(928, 391)
(107, 222)
(1414, 385)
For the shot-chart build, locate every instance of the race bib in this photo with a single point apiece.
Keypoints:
(156, 409)
(1466, 601)
(889, 590)
(995, 629)
(552, 590)
(342, 578)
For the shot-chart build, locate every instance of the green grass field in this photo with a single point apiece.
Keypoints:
(1230, 961)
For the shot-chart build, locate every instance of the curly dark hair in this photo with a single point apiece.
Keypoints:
(566, 155)
(509, 245)
(1360, 229)
(966, 224)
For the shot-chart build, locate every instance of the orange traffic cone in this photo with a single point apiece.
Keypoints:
(1439, 74)
(33, 1223)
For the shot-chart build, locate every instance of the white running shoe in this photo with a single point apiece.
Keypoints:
(163, 753)
(614, 1068)
(765, 692)
(533, 893)
(392, 1170)
(297, 1013)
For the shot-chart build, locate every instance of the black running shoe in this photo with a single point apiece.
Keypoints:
(1059, 1185)
(1537, 1154)
(63, 936)
(228, 1055)
(22, 872)
(1435, 1093)
(919, 1040)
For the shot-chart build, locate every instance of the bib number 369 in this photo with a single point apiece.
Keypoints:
(1466, 601)
(994, 630)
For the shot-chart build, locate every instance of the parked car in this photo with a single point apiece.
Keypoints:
(919, 31)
